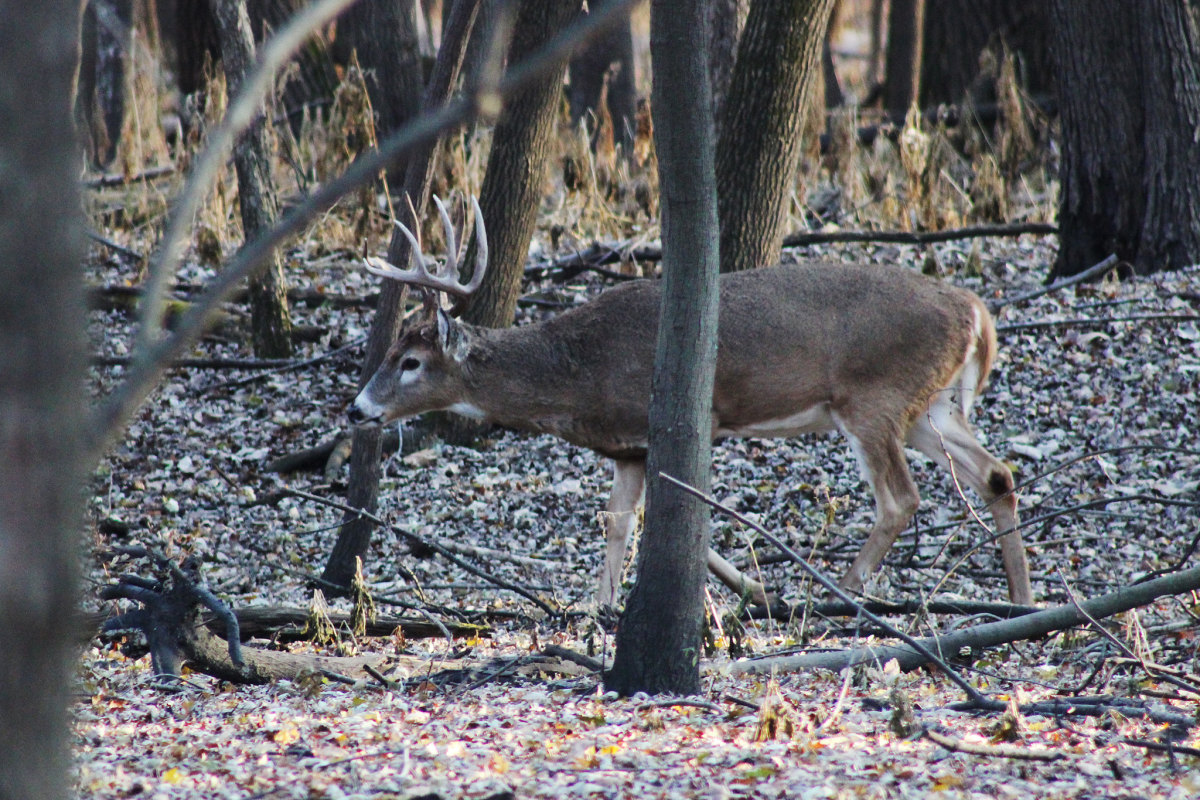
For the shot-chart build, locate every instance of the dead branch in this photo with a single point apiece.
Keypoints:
(1030, 626)
(1091, 272)
(170, 617)
(597, 255)
(1093, 322)
(990, 751)
(105, 181)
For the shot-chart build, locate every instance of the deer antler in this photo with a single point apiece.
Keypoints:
(444, 279)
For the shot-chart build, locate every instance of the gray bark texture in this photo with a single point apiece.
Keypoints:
(658, 641)
(270, 319)
(42, 372)
(772, 87)
(1129, 96)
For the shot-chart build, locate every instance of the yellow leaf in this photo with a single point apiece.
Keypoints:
(611, 750)
(288, 734)
(172, 775)
(499, 763)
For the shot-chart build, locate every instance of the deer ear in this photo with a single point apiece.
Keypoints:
(453, 339)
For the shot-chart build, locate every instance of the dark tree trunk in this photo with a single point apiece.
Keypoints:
(363, 491)
(42, 373)
(658, 641)
(384, 33)
(726, 18)
(516, 168)
(759, 144)
(100, 102)
(1129, 94)
(902, 68)
(191, 28)
(270, 320)
(957, 32)
(613, 49)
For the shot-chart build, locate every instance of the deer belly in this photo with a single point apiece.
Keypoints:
(816, 419)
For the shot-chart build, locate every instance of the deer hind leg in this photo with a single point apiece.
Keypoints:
(881, 458)
(620, 520)
(944, 435)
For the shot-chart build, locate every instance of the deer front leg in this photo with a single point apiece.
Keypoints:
(896, 500)
(620, 520)
(944, 435)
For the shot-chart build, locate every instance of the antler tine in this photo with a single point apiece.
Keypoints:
(481, 249)
(446, 279)
(450, 269)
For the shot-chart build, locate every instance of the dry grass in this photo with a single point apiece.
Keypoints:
(925, 178)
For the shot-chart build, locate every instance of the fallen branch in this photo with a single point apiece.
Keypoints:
(597, 255)
(171, 618)
(990, 750)
(1089, 273)
(1094, 322)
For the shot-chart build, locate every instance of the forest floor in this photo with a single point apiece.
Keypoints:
(1093, 402)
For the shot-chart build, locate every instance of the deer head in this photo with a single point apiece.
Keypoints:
(422, 369)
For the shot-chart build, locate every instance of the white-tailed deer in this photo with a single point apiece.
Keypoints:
(884, 355)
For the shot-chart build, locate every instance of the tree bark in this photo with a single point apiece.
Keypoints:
(384, 32)
(270, 319)
(516, 169)
(658, 641)
(1129, 93)
(363, 492)
(759, 145)
(726, 18)
(587, 72)
(42, 373)
(902, 69)
(957, 32)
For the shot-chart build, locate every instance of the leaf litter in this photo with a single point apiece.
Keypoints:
(1098, 416)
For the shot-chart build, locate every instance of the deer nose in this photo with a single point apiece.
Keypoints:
(355, 415)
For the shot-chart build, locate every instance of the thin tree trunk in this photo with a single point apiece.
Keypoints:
(1129, 93)
(906, 26)
(516, 169)
(658, 641)
(42, 373)
(363, 492)
(270, 320)
(760, 144)
(726, 18)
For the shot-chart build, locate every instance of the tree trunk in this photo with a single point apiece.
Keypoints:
(516, 170)
(101, 96)
(957, 32)
(384, 32)
(587, 71)
(270, 320)
(1129, 93)
(658, 641)
(363, 491)
(759, 145)
(42, 373)
(906, 24)
(726, 18)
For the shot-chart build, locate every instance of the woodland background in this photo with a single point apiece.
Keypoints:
(485, 646)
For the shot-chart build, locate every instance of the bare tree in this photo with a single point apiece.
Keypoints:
(1129, 93)
(363, 491)
(902, 68)
(658, 642)
(759, 145)
(270, 320)
(41, 403)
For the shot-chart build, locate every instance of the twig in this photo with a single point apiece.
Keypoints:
(991, 751)
(1071, 280)
(917, 237)
(149, 174)
(435, 546)
(1163, 748)
(1150, 668)
(1093, 322)
(116, 247)
(822, 579)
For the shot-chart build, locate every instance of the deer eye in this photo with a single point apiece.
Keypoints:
(409, 364)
